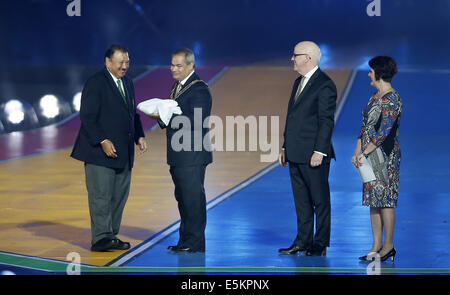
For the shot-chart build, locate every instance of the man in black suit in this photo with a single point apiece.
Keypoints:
(109, 129)
(189, 150)
(308, 149)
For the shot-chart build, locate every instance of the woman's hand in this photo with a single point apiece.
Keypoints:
(356, 160)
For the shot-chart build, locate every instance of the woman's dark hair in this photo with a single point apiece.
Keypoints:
(113, 48)
(385, 67)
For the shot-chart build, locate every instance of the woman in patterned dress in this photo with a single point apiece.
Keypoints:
(378, 142)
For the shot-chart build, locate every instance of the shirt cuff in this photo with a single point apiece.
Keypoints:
(321, 153)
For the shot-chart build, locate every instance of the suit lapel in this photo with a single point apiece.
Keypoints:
(294, 91)
(113, 84)
(307, 86)
(128, 97)
(191, 78)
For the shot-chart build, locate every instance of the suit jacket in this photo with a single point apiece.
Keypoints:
(310, 120)
(104, 115)
(195, 96)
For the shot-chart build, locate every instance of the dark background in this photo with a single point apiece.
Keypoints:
(232, 32)
(46, 51)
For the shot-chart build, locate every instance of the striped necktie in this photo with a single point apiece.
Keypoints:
(177, 90)
(299, 89)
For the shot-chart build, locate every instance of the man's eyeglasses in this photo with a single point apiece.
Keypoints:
(298, 54)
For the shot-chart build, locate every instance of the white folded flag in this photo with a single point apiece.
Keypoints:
(366, 171)
(165, 108)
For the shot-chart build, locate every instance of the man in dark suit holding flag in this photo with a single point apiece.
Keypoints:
(189, 149)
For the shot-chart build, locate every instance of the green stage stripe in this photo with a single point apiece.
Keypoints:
(56, 266)
(32, 262)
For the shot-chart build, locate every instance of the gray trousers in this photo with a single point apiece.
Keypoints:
(108, 191)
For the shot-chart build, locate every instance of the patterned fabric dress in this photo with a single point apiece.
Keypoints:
(380, 117)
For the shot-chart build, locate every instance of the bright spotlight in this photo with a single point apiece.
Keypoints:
(76, 101)
(51, 109)
(49, 105)
(14, 111)
(17, 115)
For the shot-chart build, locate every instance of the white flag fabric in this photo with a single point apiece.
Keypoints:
(366, 171)
(165, 108)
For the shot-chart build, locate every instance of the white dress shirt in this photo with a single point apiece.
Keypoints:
(185, 79)
(307, 76)
(115, 81)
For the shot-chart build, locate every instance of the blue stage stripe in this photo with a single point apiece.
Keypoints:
(123, 259)
(247, 230)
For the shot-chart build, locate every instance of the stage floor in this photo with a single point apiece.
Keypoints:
(251, 211)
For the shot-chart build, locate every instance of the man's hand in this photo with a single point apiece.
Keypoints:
(142, 145)
(316, 159)
(109, 149)
(154, 116)
(282, 158)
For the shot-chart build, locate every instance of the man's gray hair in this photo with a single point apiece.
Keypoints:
(188, 54)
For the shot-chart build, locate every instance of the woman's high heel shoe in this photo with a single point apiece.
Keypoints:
(370, 256)
(389, 254)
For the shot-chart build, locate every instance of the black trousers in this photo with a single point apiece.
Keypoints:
(191, 198)
(312, 198)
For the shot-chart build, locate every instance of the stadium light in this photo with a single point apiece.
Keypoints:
(17, 115)
(14, 111)
(76, 101)
(49, 106)
(51, 109)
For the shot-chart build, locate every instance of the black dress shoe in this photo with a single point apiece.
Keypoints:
(172, 247)
(292, 250)
(316, 250)
(182, 249)
(103, 245)
(120, 245)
